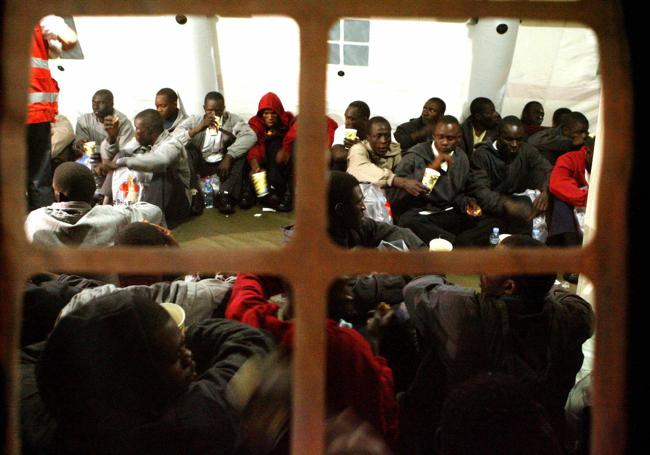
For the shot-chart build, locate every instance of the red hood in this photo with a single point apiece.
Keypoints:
(270, 101)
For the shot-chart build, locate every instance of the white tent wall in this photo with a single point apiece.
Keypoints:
(557, 66)
(409, 62)
(134, 57)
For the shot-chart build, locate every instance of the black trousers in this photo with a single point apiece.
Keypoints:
(451, 225)
(39, 166)
(235, 181)
(278, 176)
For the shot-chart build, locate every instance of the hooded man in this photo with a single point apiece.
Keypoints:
(271, 124)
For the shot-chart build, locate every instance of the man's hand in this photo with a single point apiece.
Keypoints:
(255, 166)
(540, 204)
(347, 143)
(412, 187)
(282, 157)
(105, 167)
(441, 158)
(516, 208)
(473, 209)
(111, 126)
(223, 171)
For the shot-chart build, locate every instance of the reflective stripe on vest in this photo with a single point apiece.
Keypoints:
(43, 97)
(39, 63)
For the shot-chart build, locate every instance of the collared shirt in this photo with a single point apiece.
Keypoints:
(479, 138)
(213, 145)
(443, 166)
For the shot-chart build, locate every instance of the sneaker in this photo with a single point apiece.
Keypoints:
(286, 204)
(223, 203)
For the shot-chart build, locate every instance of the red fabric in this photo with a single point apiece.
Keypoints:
(568, 177)
(355, 376)
(290, 137)
(268, 101)
(41, 82)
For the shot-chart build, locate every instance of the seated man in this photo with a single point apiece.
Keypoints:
(356, 117)
(517, 324)
(155, 151)
(271, 124)
(356, 377)
(446, 211)
(118, 376)
(73, 220)
(167, 104)
(420, 129)
(532, 117)
(569, 188)
(500, 171)
(480, 126)
(92, 128)
(558, 116)
(200, 299)
(569, 136)
(374, 159)
(220, 151)
(349, 228)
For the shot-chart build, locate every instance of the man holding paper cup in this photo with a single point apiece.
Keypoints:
(217, 143)
(444, 211)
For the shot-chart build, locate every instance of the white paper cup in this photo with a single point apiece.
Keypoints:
(440, 245)
(430, 178)
(350, 134)
(176, 312)
(259, 181)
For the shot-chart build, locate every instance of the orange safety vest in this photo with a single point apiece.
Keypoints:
(43, 90)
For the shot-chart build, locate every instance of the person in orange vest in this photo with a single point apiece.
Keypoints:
(50, 37)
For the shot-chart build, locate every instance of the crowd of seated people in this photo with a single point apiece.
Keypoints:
(441, 177)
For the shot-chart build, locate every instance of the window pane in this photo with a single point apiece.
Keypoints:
(358, 31)
(335, 31)
(355, 55)
(334, 57)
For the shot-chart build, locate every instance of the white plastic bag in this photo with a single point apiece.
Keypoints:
(539, 222)
(377, 206)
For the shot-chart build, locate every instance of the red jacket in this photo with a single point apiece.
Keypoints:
(268, 101)
(290, 137)
(568, 178)
(43, 90)
(355, 376)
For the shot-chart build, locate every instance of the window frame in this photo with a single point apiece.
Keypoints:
(603, 260)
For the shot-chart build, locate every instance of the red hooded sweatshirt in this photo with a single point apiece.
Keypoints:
(355, 376)
(568, 182)
(286, 118)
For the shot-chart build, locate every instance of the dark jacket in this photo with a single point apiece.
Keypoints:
(550, 143)
(539, 341)
(96, 377)
(371, 233)
(404, 131)
(450, 187)
(467, 136)
(492, 178)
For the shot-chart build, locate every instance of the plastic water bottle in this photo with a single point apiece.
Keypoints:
(537, 234)
(216, 183)
(494, 236)
(208, 193)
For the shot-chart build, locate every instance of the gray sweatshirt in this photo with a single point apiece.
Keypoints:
(245, 137)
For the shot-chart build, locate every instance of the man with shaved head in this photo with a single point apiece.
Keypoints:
(420, 129)
(480, 126)
(505, 168)
(73, 220)
(569, 136)
(162, 159)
